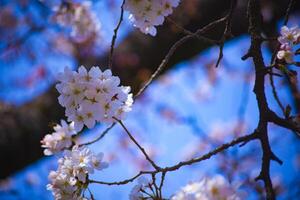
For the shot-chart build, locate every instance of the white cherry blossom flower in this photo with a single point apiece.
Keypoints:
(92, 96)
(215, 188)
(79, 17)
(60, 139)
(146, 14)
(289, 35)
(136, 193)
(96, 162)
(286, 55)
(70, 179)
(289, 38)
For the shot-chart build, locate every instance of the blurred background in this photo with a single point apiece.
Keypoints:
(191, 108)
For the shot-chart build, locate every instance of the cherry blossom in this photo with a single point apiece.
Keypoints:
(215, 188)
(70, 179)
(136, 192)
(78, 16)
(92, 96)
(60, 139)
(289, 38)
(289, 35)
(146, 14)
(286, 55)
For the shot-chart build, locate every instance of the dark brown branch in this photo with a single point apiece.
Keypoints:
(255, 27)
(292, 83)
(163, 176)
(285, 123)
(100, 136)
(206, 156)
(113, 41)
(227, 31)
(124, 182)
(288, 11)
(274, 91)
(221, 148)
(174, 48)
(226, 34)
(138, 145)
(91, 194)
(187, 32)
(156, 193)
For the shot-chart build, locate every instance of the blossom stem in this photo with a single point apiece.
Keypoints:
(138, 145)
(113, 41)
(243, 139)
(100, 136)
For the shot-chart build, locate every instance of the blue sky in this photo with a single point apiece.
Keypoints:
(171, 119)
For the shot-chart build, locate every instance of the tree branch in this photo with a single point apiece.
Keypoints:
(113, 41)
(124, 182)
(243, 139)
(285, 123)
(138, 145)
(174, 48)
(255, 25)
(100, 136)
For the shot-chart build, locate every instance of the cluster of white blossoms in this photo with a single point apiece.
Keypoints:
(146, 14)
(88, 97)
(92, 96)
(215, 188)
(78, 16)
(137, 191)
(70, 179)
(60, 139)
(288, 39)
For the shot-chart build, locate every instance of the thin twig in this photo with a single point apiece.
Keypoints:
(124, 182)
(274, 91)
(137, 144)
(285, 123)
(100, 136)
(273, 60)
(206, 156)
(174, 48)
(154, 184)
(188, 32)
(227, 31)
(213, 152)
(286, 18)
(163, 175)
(113, 41)
(288, 11)
(91, 194)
